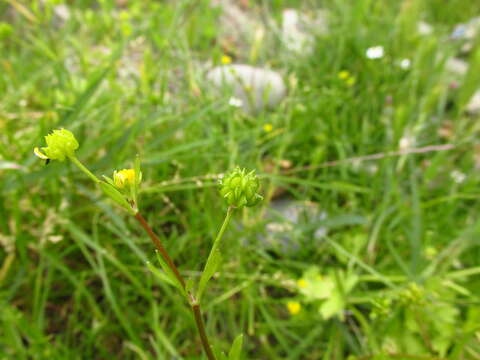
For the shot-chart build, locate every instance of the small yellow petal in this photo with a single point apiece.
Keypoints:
(302, 283)
(343, 75)
(124, 177)
(268, 127)
(225, 59)
(294, 307)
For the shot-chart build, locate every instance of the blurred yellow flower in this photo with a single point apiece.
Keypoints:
(124, 177)
(268, 127)
(302, 283)
(225, 59)
(294, 307)
(343, 75)
(347, 77)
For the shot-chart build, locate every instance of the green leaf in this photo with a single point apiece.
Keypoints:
(170, 274)
(219, 355)
(333, 306)
(109, 180)
(470, 82)
(116, 196)
(210, 268)
(159, 274)
(236, 348)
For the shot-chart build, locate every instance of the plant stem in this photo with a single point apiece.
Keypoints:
(216, 243)
(195, 306)
(158, 244)
(84, 169)
(201, 329)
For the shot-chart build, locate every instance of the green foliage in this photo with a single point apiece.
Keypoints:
(398, 257)
(210, 268)
(328, 292)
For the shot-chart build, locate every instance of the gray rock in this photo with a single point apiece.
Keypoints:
(236, 23)
(466, 33)
(293, 225)
(299, 30)
(254, 88)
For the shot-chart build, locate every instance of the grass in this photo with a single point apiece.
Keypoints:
(127, 80)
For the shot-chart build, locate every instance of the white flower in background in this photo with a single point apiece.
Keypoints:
(235, 102)
(405, 64)
(458, 176)
(375, 52)
(406, 142)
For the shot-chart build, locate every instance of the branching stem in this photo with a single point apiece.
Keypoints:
(195, 306)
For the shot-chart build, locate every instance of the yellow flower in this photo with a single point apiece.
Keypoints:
(302, 284)
(351, 81)
(268, 127)
(124, 177)
(60, 144)
(343, 75)
(225, 59)
(294, 307)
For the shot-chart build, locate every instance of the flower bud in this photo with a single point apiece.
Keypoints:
(240, 188)
(60, 144)
(123, 178)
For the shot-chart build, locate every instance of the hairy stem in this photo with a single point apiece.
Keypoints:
(201, 329)
(195, 306)
(158, 244)
(84, 169)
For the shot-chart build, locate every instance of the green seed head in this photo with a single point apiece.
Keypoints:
(60, 144)
(240, 188)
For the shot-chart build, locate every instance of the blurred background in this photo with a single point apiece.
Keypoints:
(361, 119)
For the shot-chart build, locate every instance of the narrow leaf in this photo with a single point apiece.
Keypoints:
(236, 349)
(169, 273)
(116, 196)
(219, 355)
(210, 268)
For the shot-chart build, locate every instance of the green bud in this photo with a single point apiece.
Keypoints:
(60, 144)
(240, 188)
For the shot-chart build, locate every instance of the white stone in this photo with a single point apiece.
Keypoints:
(292, 225)
(473, 106)
(298, 30)
(236, 23)
(293, 37)
(257, 88)
(466, 34)
(456, 66)
(467, 31)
